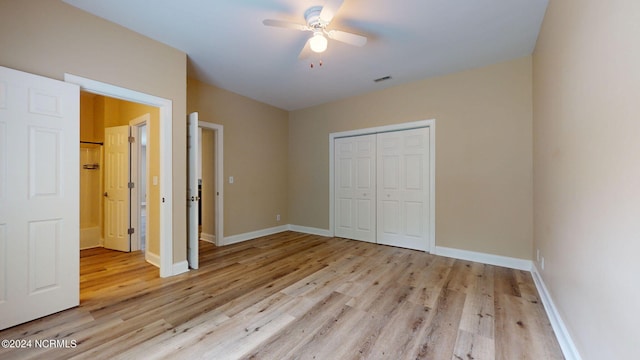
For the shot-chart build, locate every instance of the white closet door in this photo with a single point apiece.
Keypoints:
(355, 187)
(403, 189)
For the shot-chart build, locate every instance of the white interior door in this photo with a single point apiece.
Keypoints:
(192, 150)
(117, 202)
(403, 189)
(39, 196)
(355, 184)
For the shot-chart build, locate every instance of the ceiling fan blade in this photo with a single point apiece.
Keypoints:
(329, 10)
(306, 51)
(285, 24)
(347, 38)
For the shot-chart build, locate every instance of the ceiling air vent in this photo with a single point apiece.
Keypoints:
(388, 77)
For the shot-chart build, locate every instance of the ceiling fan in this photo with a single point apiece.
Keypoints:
(317, 19)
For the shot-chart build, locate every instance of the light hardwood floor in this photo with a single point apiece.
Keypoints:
(298, 296)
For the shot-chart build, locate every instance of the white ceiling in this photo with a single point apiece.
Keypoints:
(229, 47)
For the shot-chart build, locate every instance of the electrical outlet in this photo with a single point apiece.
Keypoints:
(231, 179)
(278, 217)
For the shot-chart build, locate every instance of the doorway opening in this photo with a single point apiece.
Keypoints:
(119, 146)
(210, 192)
(140, 194)
(165, 167)
(208, 184)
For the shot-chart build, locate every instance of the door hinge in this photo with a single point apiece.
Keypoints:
(132, 139)
(130, 231)
(131, 185)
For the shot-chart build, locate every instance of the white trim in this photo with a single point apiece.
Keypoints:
(208, 238)
(91, 247)
(385, 128)
(153, 259)
(310, 230)
(569, 349)
(180, 267)
(254, 234)
(166, 156)
(484, 258)
(219, 149)
(431, 124)
(135, 172)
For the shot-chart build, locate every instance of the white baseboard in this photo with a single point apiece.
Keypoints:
(490, 259)
(153, 259)
(310, 230)
(180, 267)
(562, 334)
(91, 247)
(208, 238)
(233, 239)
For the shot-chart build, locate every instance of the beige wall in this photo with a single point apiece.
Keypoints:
(50, 38)
(255, 154)
(586, 75)
(483, 153)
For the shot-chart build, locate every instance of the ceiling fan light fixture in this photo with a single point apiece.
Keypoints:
(318, 43)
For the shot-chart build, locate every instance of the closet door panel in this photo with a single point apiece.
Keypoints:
(355, 184)
(403, 188)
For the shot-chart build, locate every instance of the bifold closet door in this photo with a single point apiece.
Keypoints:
(403, 188)
(355, 187)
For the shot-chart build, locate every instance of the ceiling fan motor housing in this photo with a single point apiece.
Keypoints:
(312, 16)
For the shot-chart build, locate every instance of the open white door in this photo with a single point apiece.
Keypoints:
(117, 157)
(39, 196)
(192, 150)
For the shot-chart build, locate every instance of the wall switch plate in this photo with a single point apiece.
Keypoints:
(538, 255)
(542, 262)
(230, 179)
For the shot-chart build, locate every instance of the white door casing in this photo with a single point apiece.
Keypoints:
(167, 267)
(117, 195)
(219, 174)
(39, 196)
(355, 187)
(193, 197)
(139, 172)
(403, 188)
